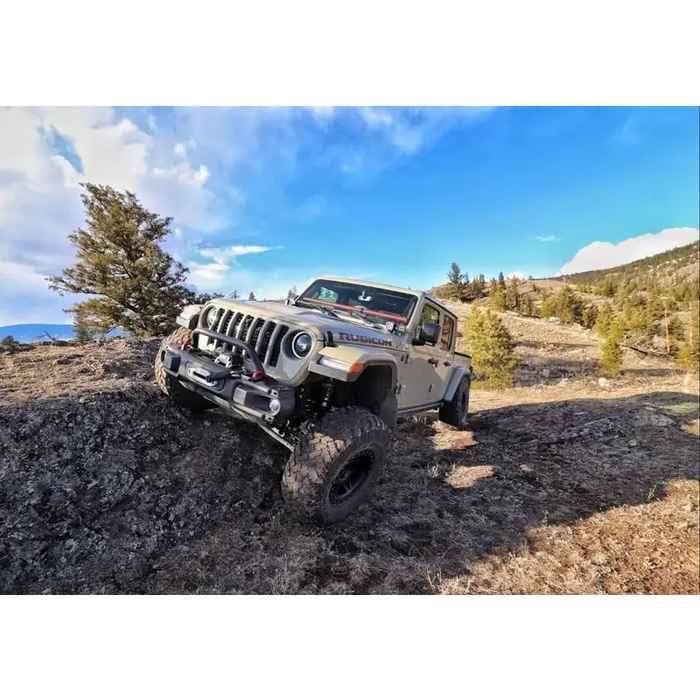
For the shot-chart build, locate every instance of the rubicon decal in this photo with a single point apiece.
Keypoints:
(351, 337)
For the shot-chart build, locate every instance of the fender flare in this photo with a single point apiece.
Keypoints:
(455, 379)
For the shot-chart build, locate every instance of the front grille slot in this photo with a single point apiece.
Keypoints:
(265, 336)
(276, 345)
(264, 339)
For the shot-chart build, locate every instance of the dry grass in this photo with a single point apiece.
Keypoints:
(560, 486)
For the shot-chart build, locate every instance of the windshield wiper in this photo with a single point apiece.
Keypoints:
(319, 307)
(359, 313)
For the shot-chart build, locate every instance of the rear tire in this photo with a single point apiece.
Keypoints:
(456, 412)
(169, 385)
(336, 465)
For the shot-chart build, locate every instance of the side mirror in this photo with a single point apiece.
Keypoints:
(429, 333)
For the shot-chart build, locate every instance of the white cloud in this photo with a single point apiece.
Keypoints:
(518, 274)
(207, 276)
(545, 239)
(224, 255)
(601, 255)
(322, 108)
(46, 152)
(188, 164)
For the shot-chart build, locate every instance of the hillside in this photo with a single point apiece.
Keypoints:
(667, 268)
(561, 485)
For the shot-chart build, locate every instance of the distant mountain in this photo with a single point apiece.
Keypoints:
(667, 269)
(34, 332)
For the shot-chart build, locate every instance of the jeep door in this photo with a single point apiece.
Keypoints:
(424, 377)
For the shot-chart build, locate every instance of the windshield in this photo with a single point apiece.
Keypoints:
(358, 298)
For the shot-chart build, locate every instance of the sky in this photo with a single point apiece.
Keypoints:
(266, 198)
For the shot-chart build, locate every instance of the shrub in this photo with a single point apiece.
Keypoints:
(491, 346)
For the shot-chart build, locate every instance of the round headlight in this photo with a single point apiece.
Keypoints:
(210, 317)
(301, 345)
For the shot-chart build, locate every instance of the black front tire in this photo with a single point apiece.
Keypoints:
(169, 385)
(456, 412)
(335, 466)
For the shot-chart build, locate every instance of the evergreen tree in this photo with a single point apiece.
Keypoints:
(689, 352)
(548, 308)
(512, 295)
(135, 284)
(501, 281)
(590, 316)
(454, 276)
(234, 294)
(478, 287)
(604, 320)
(9, 344)
(491, 347)
(251, 297)
(498, 299)
(611, 350)
(292, 293)
(568, 306)
(527, 308)
(83, 331)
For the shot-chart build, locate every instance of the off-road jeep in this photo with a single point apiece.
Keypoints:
(327, 375)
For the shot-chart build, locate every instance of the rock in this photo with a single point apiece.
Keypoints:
(553, 319)
(604, 383)
(649, 417)
(632, 443)
(688, 508)
(545, 372)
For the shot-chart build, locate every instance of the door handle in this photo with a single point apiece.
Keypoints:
(433, 361)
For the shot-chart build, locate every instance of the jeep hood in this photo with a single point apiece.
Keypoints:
(312, 319)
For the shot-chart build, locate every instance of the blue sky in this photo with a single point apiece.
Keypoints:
(266, 198)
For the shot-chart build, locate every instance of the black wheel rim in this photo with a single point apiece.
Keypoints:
(351, 477)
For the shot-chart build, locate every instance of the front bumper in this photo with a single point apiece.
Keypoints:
(258, 398)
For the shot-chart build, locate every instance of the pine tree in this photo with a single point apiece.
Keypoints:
(568, 305)
(454, 276)
(491, 347)
(611, 350)
(135, 283)
(604, 320)
(251, 297)
(501, 281)
(83, 332)
(498, 299)
(9, 344)
(478, 287)
(292, 293)
(590, 315)
(548, 308)
(689, 352)
(527, 308)
(513, 295)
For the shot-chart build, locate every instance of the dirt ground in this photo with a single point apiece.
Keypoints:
(561, 486)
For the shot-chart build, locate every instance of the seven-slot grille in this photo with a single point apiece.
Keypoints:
(264, 335)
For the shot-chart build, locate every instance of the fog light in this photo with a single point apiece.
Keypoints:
(275, 406)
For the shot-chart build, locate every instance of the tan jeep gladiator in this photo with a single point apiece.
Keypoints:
(328, 375)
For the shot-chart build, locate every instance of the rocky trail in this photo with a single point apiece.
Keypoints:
(563, 485)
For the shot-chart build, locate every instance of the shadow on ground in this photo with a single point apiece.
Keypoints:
(123, 493)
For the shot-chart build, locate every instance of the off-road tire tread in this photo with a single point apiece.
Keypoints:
(320, 453)
(451, 412)
(170, 386)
